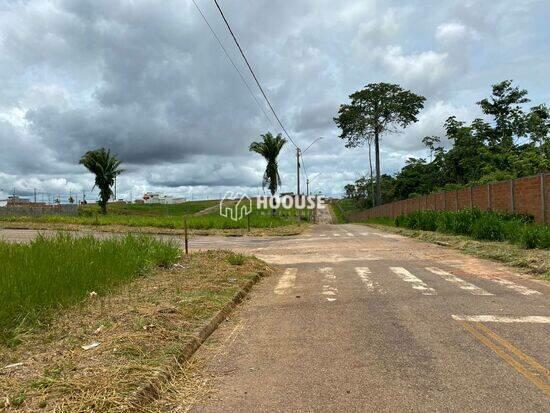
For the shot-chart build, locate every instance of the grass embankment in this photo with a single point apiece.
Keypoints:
(139, 329)
(186, 208)
(342, 208)
(162, 216)
(53, 273)
(481, 225)
(512, 239)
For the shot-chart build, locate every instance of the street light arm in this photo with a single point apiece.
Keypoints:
(318, 139)
(315, 177)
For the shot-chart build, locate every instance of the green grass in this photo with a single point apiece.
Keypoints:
(133, 215)
(187, 208)
(235, 259)
(52, 273)
(173, 222)
(343, 208)
(382, 221)
(477, 224)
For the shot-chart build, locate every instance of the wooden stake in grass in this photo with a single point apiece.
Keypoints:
(248, 222)
(186, 239)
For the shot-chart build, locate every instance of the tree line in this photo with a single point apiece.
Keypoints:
(509, 142)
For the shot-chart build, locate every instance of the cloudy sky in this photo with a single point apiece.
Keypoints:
(147, 79)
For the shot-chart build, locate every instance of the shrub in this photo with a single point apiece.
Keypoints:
(518, 229)
(464, 220)
(488, 227)
(235, 259)
(529, 237)
(445, 222)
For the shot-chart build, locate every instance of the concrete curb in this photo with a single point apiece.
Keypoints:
(150, 390)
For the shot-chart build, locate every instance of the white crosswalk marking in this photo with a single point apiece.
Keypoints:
(329, 290)
(503, 319)
(365, 233)
(286, 282)
(416, 282)
(349, 234)
(323, 235)
(370, 285)
(336, 235)
(515, 287)
(453, 279)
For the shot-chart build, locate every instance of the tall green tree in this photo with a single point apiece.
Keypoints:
(504, 105)
(106, 168)
(270, 147)
(378, 109)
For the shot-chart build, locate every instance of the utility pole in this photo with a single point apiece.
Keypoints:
(307, 186)
(298, 171)
(35, 195)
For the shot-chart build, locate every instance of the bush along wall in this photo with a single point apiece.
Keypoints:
(481, 225)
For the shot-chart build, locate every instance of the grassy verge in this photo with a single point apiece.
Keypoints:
(186, 208)
(138, 330)
(155, 216)
(337, 212)
(481, 225)
(53, 273)
(343, 208)
(534, 261)
(291, 229)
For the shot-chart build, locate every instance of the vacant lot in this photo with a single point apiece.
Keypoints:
(141, 326)
(165, 217)
(49, 274)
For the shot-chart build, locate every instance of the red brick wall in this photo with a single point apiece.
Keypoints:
(528, 196)
(501, 199)
(464, 198)
(523, 195)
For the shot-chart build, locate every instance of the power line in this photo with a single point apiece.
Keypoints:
(234, 65)
(253, 74)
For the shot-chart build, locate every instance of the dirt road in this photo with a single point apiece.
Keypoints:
(362, 320)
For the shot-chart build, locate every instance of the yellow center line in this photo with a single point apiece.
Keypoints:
(510, 347)
(520, 368)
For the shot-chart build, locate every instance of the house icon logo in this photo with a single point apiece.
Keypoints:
(235, 206)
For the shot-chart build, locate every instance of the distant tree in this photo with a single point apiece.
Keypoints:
(430, 142)
(538, 125)
(350, 191)
(504, 106)
(377, 109)
(106, 168)
(270, 147)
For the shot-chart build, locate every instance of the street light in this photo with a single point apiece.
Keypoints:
(299, 153)
(316, 140)
(308, 181)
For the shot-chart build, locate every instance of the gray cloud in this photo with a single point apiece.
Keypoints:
(148, 80)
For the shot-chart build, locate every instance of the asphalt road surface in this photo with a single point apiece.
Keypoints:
(362, 320)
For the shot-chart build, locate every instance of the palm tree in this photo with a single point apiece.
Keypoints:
(269, 148)
(105, 167)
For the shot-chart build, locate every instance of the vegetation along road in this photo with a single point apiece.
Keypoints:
(360, 319)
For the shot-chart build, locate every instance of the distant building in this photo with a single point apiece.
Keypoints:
(157, 198)
(15, 200)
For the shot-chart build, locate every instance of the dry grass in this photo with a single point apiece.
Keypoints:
(286, 230)
(533, 261)
(140, 330)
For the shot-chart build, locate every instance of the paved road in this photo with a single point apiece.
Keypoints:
(362, 320)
